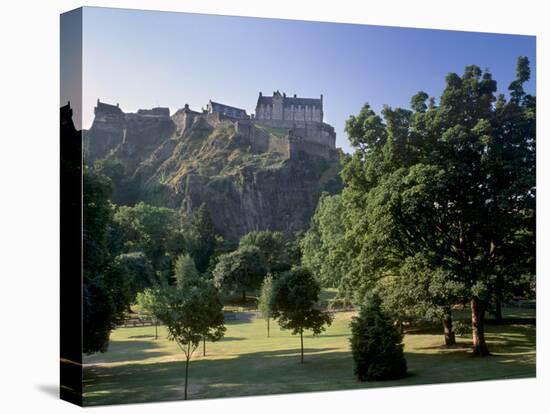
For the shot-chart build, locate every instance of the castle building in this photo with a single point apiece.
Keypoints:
(231, 111)
(107, 109)
(280, 107)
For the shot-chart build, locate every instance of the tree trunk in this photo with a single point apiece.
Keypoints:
(478, 331)
(244, 296)
(498, 302)
(448, 329)
(186, 372)
(498, 310)
(204, 345)
(156, 329)
(268, 327)
(302, 345)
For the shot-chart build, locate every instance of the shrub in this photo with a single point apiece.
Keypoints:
(461, 328)
(376, 345)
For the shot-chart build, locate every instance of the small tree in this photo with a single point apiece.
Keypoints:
(148, 301)
(295, 294)
(376, 345)
(184, 269)
(265, 298)
(190, 312)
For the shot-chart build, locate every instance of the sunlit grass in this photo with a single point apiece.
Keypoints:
(138, 368)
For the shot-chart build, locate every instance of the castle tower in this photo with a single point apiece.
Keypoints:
(280, 107)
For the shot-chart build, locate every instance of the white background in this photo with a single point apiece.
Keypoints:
(29, 207)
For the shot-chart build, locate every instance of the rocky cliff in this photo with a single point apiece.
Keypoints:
(250, 176)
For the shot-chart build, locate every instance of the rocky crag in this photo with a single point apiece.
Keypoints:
(252, 174)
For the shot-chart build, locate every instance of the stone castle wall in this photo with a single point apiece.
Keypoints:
(135, 130)
(260, 141)
(299, 146)
(278, 112)
(318, 132)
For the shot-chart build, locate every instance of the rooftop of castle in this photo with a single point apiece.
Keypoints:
(288, 101)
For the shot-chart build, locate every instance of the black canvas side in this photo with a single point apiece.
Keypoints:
(71, 208)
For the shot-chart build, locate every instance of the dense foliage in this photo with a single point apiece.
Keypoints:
(376, 345)
(323, 251)
(242, 270)
(106, 287)
(273, 247)
(452, 183)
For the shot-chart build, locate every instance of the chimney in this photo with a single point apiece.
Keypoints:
(284, 94)
(260, 94)
(295, 95)
(321, 98)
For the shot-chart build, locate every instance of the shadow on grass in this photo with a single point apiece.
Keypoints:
(280, 371)
(142, 336)
(124, 351)
(231, 338)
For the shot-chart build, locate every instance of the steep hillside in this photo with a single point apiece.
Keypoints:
(249, 176)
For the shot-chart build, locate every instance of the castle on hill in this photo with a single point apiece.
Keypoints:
(299, 122)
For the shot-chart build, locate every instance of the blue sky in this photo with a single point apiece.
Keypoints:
(142, 59)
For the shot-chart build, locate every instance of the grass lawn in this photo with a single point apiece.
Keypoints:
(138, 368)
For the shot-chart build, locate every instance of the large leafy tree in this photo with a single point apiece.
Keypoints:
(190, 311)
(201, 238)
(322, 245)
(453, 182)
(242, 270)
(417, 292)
(106, 290)
(294, 297)
(273, 246)
(148, 229)
(140, 273)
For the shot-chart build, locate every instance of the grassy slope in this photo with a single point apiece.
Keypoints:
(137, 368)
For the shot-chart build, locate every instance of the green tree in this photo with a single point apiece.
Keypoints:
(242, 270)
(140, 272)
(189, 312)
(453, 182)
(376, 345)
(148, 301)
(272, 245)
(264, 301)
(293, 303)
(106, 290)
(201, 239)
(184, 269)
(322, 244)
(416, 292)
(151, 230)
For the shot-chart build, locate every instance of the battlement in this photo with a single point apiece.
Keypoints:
(287, 125)
(107, 109)
(158, 111)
